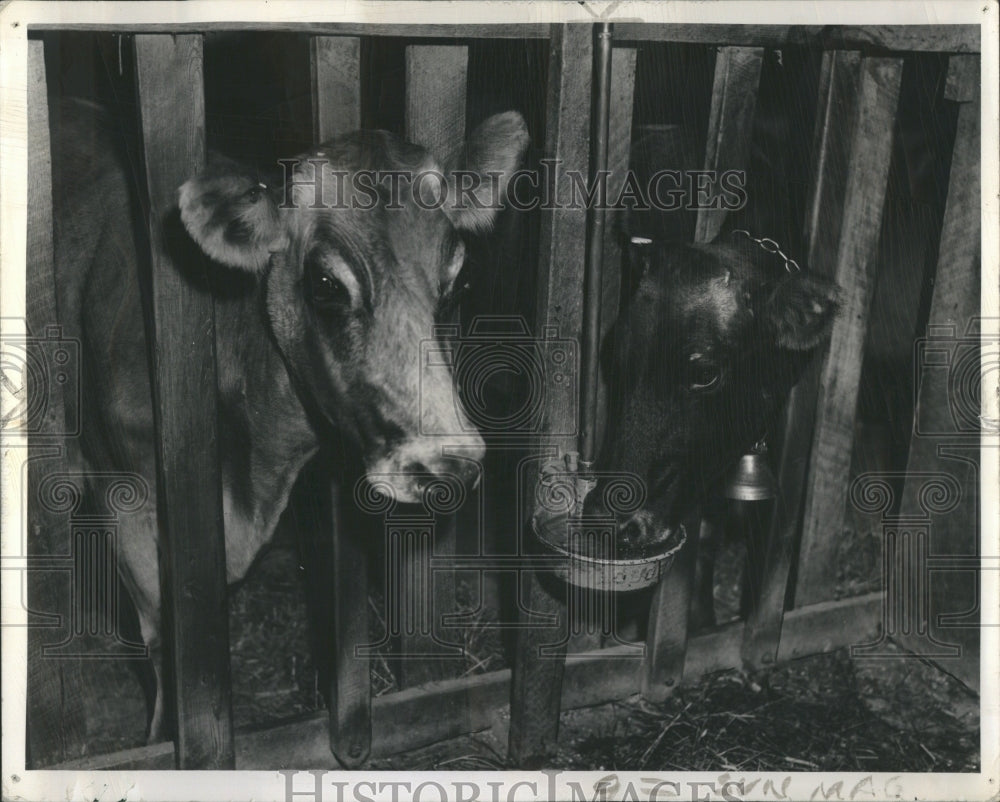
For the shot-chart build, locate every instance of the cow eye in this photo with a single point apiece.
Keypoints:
(702, 375)
(327, 291)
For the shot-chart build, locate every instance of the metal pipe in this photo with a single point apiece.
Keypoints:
(594, 259)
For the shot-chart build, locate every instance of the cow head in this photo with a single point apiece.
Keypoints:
(699, 362)
(354, 262)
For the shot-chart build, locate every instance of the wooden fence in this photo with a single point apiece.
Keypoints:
(857, 105)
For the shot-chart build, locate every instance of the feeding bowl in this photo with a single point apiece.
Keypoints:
(594, 557)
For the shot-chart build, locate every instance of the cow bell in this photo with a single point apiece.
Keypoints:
(752, 478)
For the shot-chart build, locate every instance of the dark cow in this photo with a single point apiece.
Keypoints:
(699, 362)
(682, 441)
(319, 316)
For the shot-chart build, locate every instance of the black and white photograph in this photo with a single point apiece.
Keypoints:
(500, 400)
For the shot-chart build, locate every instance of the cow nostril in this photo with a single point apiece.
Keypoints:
(418, 470)
(423, 474)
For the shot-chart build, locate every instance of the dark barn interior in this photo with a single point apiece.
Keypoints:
(286, 663)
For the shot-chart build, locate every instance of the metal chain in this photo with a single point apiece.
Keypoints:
(771, 246)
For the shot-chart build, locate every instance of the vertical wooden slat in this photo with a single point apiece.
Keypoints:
(854, 271)
(536, 677)
(619, 149)
(335, 69)
(189, 487)
(40, 295)
(436, 84)
(669, 611)
(858, 98)
(954, 304)
(350, 681)
(55, 693)
(730, 123)
(559, 302)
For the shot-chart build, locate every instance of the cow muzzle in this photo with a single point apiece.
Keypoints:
(426, 470)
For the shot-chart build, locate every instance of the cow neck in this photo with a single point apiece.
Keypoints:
(265, 435)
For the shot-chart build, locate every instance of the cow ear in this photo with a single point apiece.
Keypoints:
(232, 216)
(801, 310)
(491, 155)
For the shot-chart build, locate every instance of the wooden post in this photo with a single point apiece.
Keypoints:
(619, 149)
(940, 443)
(436, 83)
(854, 271)
(55, 693)
(350, 681)
(858, 98)
(189, 486)
(730, 123)
(670, 609)
(539, 659)
(335, 69)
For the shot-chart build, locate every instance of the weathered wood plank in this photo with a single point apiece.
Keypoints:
(529, 30)
(559, 302)
(623, 61)
(350, 684)
(335, 70)
(535, 689)
(436, 86)
(962, 83)
(854, 271)
(955, 449)
(903, 38)
(55, 693)
(730, 123)
(436, 83)
(889, 38)
(840, 116)
(172, 116)
(667, 632)
(418, 716)
(536, 679)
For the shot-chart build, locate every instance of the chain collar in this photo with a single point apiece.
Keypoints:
(769, 245)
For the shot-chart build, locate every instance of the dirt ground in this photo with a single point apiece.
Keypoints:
(819, 713)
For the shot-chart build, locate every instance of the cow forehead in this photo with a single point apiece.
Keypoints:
(709, 295)
(389, 244)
